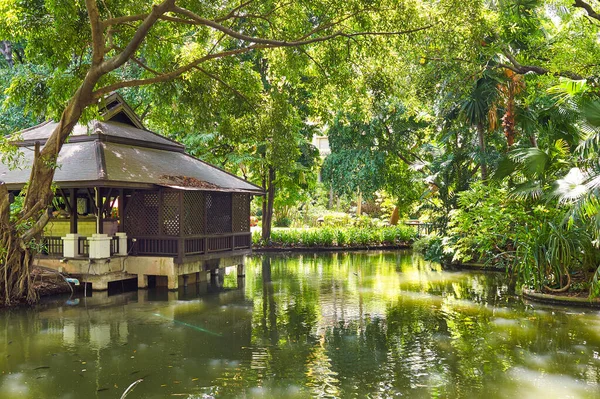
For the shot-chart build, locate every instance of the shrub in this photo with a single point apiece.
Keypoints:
(337, 219)
(283, 222)
(431, 247)
(329, 236)
(341, 238)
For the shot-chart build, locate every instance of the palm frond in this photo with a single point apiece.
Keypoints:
(533, 161)
(529, 190)
(572, 187)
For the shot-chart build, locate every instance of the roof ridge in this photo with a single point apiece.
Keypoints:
(33, 127)
(223, 170)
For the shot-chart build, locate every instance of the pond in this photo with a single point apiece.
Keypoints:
(356, 325)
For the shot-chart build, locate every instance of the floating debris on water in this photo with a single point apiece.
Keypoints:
(197, 328)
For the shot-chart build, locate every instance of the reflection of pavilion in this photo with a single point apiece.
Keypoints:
(110, 341)
(133, 204)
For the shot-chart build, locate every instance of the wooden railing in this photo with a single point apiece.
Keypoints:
(422, 228)
(114, 245)
(188, 246)
(160, 246)
(83, 247)
(52, 246)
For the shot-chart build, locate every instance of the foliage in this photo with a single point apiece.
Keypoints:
(374, 155)
(486, 222)
(451, 94)
(432, 248)
(338, 237)
(283, 222)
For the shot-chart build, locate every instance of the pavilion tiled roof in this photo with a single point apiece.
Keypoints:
(120, 152)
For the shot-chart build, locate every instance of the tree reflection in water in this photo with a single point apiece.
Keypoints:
(372, 324)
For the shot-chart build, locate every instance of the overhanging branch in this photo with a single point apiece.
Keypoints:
(173, 74)
(588, 8)
(282, 43)
(520, 69)
(218, 79)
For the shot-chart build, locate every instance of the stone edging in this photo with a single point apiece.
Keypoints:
(328, 249)
(560, 300)
(474, 267)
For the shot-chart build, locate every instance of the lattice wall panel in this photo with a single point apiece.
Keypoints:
(218, 213)
(170, 208)
(141, 214)
(193, 213)
(241, 213)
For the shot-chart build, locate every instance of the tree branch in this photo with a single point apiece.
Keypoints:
(282, 43)
(97, 32)
(323, 71)
(173, 74)
(516, 67)
(231, 14)
(218, 79)
(138, 37)
(144, 66)
(588, 8)
(140, 17)
(258, 44)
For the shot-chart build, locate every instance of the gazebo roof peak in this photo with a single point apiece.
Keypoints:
(119, 124)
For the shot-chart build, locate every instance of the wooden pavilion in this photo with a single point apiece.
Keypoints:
(126, 192)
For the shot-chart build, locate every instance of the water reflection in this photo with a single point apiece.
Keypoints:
(376, 324)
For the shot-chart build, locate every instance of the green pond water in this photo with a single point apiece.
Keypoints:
(362, 325)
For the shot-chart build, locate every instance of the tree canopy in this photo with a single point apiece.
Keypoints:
(429, 101)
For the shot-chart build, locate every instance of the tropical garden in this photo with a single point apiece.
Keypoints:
(479, 118)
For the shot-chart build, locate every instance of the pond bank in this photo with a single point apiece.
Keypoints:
(46, 284)
(561, 300)
(474, 266)
(273, 249)
(572, 299)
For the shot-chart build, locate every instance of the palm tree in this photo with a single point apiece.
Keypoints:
(572, 181)
(476, 108)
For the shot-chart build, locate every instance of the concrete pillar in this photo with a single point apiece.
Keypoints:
(241, 270)
(173, 282)
(99, 284)
(70, 245)
(99, 246)
(214, 278)
(185, 280)
(221, 277)
(241, 276)
(142, 281)
(122, 237)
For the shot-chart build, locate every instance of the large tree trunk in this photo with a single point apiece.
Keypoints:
(15, 258)
(19, 237)
(268, 206)
(481, 139)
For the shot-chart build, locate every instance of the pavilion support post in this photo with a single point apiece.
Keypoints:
(99, 210)
(73, 210)
(181, 240)
(214, 277)
(142, 281)
(180, 250)
(161, 219)
(173, 282)
(121, 210)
